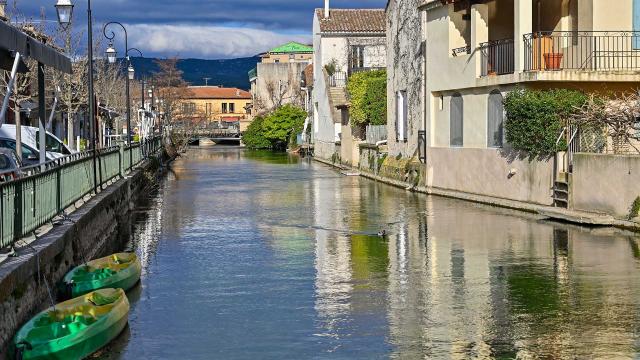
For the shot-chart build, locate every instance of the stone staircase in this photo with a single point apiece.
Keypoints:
(561, 191)
(337, 98)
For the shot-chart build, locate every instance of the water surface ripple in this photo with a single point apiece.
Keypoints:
(265, 256)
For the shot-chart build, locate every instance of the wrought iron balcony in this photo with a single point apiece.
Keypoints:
(582, 50)
(497, 57)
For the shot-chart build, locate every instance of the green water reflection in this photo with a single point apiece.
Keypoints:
(275, 257)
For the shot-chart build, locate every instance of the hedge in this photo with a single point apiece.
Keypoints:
(535, 118)
(368, 95)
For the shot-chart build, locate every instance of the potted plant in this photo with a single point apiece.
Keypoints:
(553, 60)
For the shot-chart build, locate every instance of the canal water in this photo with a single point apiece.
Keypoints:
(251, 255)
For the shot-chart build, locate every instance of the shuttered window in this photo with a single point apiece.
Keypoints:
(401, 116)
(495, 120)
(456, 128)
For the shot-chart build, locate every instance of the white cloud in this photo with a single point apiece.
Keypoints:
(210, 42)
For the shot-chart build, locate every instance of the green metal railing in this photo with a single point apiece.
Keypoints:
(45, 191)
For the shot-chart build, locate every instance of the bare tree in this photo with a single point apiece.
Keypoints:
(615, 117)
(172, 90)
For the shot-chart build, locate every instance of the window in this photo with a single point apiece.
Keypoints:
(5, 163)
(52, 145)
(28, 154)
(456, 128)
(401, 116)
(357, 57)
(232, 108)
(495, 120)
(188, 108)
(225, 108)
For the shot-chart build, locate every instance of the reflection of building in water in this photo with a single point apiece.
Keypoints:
(333, 268)
(458, 280)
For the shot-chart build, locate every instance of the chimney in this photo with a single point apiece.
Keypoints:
(326, 9)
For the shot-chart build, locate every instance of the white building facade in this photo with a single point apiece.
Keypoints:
(345, 41)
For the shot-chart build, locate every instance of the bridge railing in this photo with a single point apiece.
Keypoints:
(45, 191)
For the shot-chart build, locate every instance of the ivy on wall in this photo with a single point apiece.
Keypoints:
(535, 118)
(368, 94)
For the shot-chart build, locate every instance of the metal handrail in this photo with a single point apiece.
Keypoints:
(31, 201)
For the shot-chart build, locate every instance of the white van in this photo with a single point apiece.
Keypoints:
(30, 144)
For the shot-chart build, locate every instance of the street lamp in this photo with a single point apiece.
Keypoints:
(131, 73)
(64, 9)
(111, 54)
(65, 12)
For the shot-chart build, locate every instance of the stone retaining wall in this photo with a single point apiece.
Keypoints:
(98, 228)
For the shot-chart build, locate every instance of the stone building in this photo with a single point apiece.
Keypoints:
(345, 41)
(276, 80)
(405, 74)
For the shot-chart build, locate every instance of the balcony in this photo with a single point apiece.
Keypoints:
(497, 57)
(582, 50)
(589, 51)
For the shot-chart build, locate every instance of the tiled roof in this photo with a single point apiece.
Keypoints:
(215, 92)
(352, 21)
(292, 48)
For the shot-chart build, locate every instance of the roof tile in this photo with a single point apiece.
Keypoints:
(215, 92)
(352, 21)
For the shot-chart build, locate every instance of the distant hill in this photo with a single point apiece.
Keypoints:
(226, 72)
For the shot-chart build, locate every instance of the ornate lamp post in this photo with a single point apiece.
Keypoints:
(64, 9)
(112, 56)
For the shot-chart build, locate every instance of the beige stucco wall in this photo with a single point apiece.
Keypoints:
(486, 172)
(216, 108)
(474, 116)
(605, 183)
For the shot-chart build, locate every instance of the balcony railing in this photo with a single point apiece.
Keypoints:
(497, 57)
(582, 50)
(338, 79)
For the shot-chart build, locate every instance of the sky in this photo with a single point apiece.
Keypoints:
(204, 29)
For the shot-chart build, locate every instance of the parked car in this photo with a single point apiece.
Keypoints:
(30, 144)
(9, 165)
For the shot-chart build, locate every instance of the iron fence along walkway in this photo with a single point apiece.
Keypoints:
(34, 200)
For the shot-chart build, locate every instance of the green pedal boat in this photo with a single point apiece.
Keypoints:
(117, 271)
(75, 328)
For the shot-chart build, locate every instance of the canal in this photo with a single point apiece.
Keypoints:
(266, 256)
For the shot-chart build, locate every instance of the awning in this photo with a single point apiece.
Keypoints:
(13, 39)
(231, 119)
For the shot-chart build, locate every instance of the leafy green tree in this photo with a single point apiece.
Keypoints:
(535, 118)
(253, 137)
(281, 126)
(368, 94)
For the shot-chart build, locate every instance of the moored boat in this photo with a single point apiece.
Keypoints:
(75, 328)
(118, 271)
